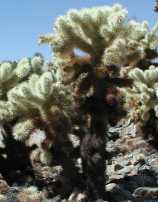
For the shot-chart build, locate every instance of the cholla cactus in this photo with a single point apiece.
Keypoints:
(40, 96)
(103, 33)
(142, 98)
(37, 101)
(39, 105)
(12, 73)
(109, 42)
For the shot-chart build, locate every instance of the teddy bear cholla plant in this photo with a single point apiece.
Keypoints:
(102, 32)
(39, 105)
(109, 41)
(31, 101)
(11, 74)
(36, 110)
(141, 102)
(142, 98)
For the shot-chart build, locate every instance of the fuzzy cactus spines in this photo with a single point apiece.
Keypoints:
(32, 100)
(103, 32)
(142, 98)
(38, 96)
(108, 41)
(141, 102)
(12, 73)
(39, 105)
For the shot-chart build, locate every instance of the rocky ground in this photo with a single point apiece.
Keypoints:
(131, 175)
(132, 169)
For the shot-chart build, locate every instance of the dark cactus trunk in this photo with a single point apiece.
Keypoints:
(93, 156)
(93, 144)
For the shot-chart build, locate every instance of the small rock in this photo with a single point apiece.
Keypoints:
(3, 186)
(154, 162)
(138, 159)
(144, 192)
(12, 197)
(116, 177)
(118, 167)
(111, 186)
(154, 165)
(127, 169)
(117, 193)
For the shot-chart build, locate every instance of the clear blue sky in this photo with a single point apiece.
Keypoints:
(22, 21)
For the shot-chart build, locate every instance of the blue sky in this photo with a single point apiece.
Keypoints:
(22, 21)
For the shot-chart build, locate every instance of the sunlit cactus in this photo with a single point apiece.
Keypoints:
(65, 107)
(104, 33)
(23, 129)
(90, 47)
(38, 95)
(142, 97)
(12, 73)
(7, 111)
(34, 100)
